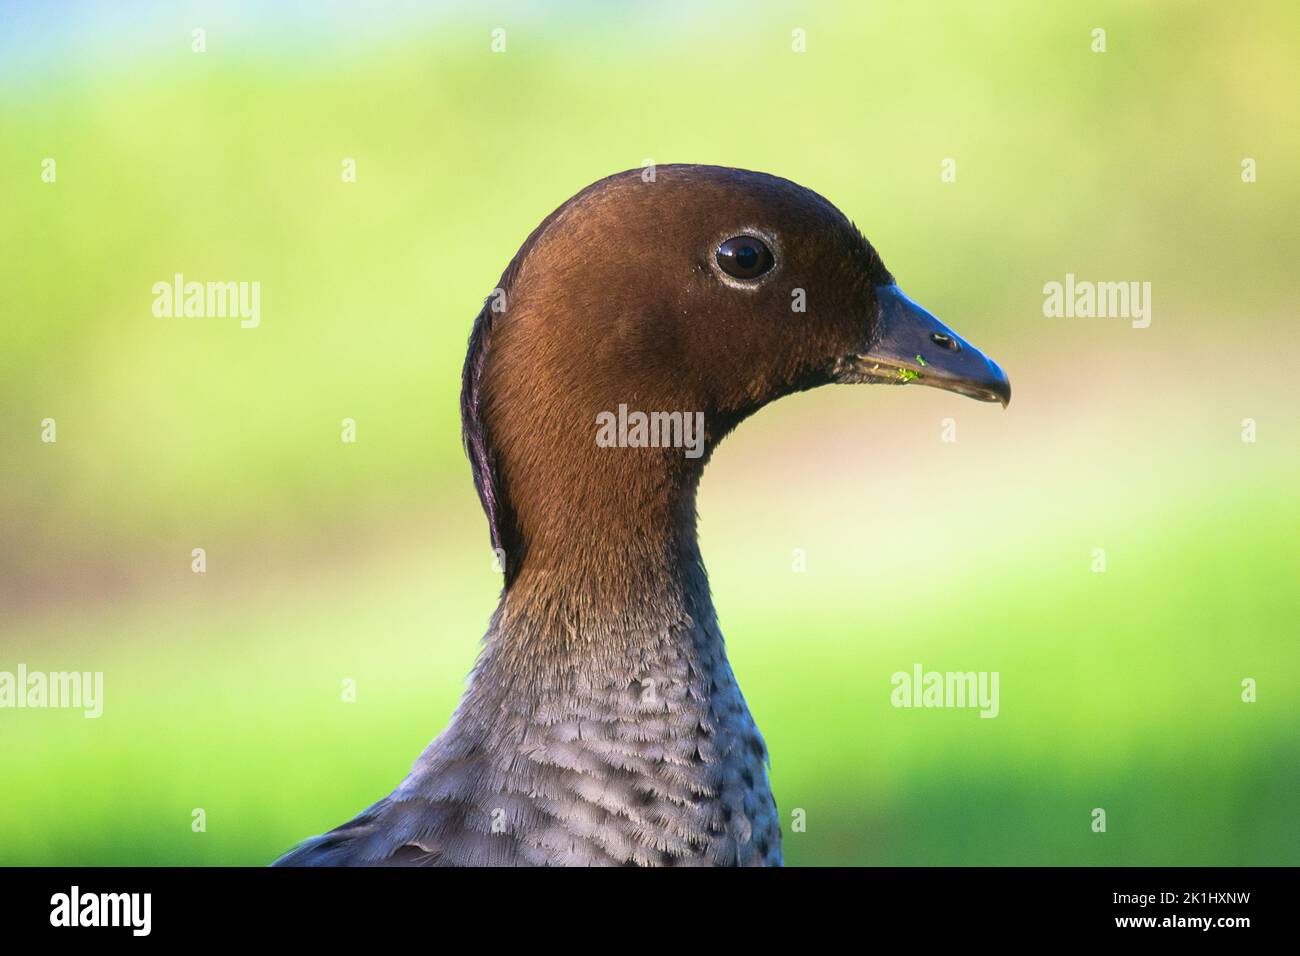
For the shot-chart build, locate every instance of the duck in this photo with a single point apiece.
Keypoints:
(602, 723)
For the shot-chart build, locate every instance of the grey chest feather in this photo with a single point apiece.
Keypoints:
(664, 768)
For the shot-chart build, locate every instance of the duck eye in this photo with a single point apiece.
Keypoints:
(744, 257)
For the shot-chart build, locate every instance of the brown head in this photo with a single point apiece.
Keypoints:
(707, 292)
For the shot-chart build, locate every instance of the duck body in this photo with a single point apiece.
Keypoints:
(602, 723)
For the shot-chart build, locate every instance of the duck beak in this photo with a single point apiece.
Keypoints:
(911, 345)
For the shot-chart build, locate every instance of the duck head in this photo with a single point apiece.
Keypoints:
(701, 291)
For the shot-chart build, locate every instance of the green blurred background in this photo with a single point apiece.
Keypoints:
(370, 561)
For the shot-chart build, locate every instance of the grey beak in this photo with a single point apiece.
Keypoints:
(911, 345)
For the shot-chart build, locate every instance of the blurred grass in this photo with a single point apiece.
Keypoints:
(370, 561)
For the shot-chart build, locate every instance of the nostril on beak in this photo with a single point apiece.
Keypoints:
(945, 341)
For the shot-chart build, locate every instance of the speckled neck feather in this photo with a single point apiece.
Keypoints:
(600, 727)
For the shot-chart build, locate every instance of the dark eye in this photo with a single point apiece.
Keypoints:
(744, 257)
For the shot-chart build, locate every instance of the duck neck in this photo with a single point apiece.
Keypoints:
(606, 576)
(604, 692)
(605, 595)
